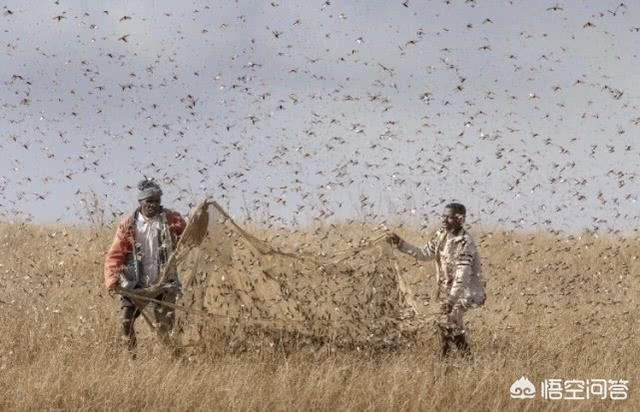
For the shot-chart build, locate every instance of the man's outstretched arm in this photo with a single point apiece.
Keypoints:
(427, 252)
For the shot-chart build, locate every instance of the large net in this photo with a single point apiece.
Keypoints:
(240, 292)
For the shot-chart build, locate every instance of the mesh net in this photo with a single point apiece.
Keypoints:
(242, 292)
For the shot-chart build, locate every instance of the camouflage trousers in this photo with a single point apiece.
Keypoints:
(451, 329)
(455, 319)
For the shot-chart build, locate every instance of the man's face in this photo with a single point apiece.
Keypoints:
(150, 206)
(450, 220)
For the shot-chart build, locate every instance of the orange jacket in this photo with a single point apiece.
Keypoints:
(125, 239)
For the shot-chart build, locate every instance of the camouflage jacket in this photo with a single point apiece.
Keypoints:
(458, 267)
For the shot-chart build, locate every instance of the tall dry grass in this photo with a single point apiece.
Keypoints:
(558, 307)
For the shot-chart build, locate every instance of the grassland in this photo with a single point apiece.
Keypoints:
(559, 307)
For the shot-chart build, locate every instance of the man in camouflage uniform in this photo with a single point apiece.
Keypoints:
(458, 271)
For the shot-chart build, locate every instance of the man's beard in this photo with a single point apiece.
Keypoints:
(452, 227)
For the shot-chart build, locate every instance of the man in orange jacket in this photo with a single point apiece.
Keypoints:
(143, 243)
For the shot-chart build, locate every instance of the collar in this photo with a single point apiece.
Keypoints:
(145, 219)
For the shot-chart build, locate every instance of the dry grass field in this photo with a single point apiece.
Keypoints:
(558, 307)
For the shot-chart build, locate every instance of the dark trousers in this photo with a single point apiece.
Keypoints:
(164, 316)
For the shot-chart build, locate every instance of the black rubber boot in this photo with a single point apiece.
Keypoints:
(462, 345)
(445, 342)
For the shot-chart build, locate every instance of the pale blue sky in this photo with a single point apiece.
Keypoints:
(302, 110)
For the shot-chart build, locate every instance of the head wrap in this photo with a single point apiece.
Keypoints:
(147, 189)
